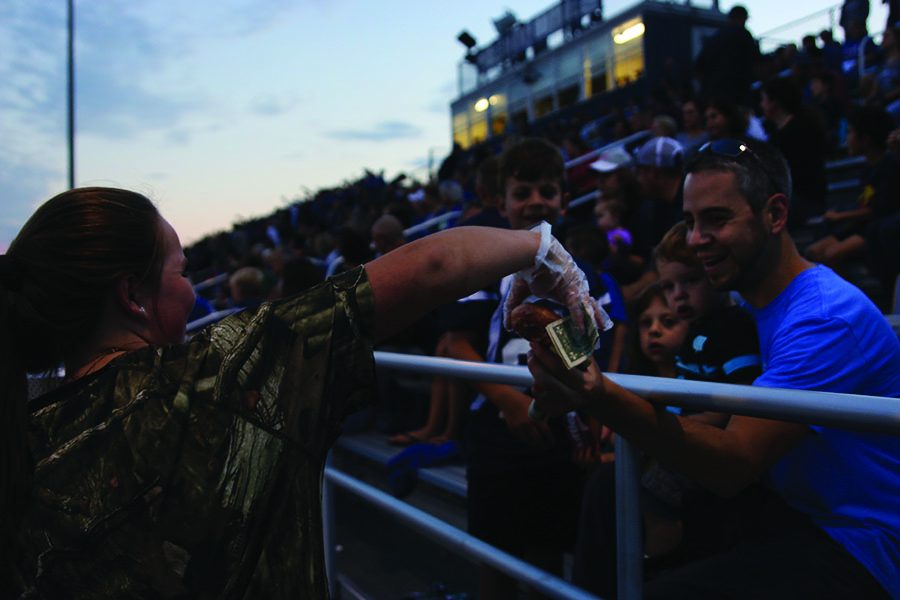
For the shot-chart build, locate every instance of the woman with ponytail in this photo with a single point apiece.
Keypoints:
(165, 468)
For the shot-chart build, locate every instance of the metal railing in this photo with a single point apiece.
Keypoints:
(448, 536)
(847, 411)
(431, 223)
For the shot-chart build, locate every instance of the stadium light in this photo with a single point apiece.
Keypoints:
(629, 33)
(466, 39)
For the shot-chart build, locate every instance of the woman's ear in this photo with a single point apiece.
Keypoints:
(129, 298)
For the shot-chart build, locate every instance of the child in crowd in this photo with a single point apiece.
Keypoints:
(721, 345)
(653, 343)
(523, 488)
(609, 214)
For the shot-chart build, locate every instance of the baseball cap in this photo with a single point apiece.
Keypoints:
(663, 152)
(612, 159)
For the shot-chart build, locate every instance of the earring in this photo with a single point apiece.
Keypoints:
(143, 311)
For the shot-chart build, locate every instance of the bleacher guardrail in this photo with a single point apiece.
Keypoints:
(849, 411)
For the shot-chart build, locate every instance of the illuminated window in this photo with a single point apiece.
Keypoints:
(478, 130)
(461, 130)
(628, 52)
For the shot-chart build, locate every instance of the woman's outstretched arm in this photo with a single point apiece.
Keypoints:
(412, 280)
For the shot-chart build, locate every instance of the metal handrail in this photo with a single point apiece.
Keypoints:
(456, 540)
(851, 411)
(593, 154)
(846, 411)
(431, 223)
(210, 282)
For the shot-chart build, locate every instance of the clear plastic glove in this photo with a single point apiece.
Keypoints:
(555, 276)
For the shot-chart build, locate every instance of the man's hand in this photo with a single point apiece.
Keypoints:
(558, 390)
(514, 406)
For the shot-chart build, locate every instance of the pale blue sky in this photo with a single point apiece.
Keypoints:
(227, 109)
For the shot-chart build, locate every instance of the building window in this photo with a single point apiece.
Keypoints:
(543, 106)
(628, 51)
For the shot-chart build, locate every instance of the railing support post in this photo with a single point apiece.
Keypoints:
(328, 531)
(629, 549)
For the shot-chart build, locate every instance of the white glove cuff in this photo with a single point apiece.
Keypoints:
(541, 256)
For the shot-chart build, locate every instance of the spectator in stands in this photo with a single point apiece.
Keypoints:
(826, 106)
(693, 134)
(579, 177)
(867, 136)
(801, 138)
(247, 287)
(725, 120)
(883, 242)
(829, 527)
(887, 78)
(616, 181)
(660, 166)
(653, 342)
(832, 53)
(720, 345)
(299, 274)
(852, 12)
(609, 214)
(163, 468)
(487, 190)
(727, 62)
(859, 53)
(523, 489)
(664, 126)
(353, 249)
(810, 53)
(387, 234)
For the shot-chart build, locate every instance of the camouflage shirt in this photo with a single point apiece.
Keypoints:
(194, 471)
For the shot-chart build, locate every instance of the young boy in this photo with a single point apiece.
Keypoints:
(722, 345)
(523, 489)
(679, 519)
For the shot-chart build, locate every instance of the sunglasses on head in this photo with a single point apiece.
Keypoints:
(735, 149)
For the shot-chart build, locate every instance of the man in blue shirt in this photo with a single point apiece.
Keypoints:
(830, 527)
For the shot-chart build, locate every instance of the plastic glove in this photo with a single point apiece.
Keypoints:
(555, 276)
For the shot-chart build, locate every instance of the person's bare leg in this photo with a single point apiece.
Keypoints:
(437, 408)
(844, 250)
(455, 399)
(819, 249)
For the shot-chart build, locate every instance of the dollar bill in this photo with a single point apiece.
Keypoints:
(573, 347)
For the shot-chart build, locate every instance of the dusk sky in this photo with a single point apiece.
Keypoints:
(228, 109)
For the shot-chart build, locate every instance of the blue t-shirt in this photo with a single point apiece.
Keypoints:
(822, 333)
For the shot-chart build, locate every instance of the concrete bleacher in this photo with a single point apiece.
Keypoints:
(440, 491)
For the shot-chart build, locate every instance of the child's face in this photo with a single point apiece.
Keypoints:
(660, 332)
(607, 220)
(527, 203)
(688, 292)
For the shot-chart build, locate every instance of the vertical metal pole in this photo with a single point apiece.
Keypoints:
(629, 549)
(328, 531)
(71, 92)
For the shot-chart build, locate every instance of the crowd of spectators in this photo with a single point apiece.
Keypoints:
(819, 101)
